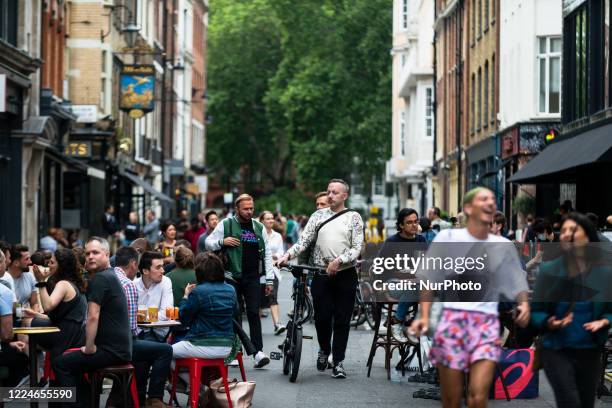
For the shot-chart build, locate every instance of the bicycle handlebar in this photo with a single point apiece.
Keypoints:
(305, 269)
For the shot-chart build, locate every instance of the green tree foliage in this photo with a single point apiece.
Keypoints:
(300, 90)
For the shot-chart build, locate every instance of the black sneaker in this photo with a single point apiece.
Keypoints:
(322, 361)
(338, 371)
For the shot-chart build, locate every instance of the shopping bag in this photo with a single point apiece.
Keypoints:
(520, 379)
(241, 393)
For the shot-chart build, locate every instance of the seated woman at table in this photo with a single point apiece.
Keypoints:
(208, 308)
(64, 303)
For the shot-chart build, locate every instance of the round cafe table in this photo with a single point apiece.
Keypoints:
(32, 332)
(159, 325)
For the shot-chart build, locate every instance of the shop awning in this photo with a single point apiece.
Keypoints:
(561, 158)
(76, 164)
(136, 180)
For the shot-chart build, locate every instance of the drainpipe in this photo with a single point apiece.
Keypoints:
(434, 167)
(458, 87)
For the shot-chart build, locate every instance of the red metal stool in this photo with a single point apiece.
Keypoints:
(48, 374)
(195, 366)
(239, 359)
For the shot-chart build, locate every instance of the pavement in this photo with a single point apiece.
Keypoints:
(319, 390)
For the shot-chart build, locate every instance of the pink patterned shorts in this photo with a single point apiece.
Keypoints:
(464, 337)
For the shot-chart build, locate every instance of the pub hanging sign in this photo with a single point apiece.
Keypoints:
(137, 94)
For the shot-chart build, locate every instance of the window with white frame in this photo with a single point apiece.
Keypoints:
(403, 133)
(486, 94)
(197, 143)
(404, 14)
(429, 111)
(379, 185)
(549, 74)
(105, 81)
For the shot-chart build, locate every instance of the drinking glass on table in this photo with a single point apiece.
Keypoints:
(141, 314)
(153, 313)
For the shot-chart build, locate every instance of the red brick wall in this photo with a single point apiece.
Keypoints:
(199, 63)
(53, 44)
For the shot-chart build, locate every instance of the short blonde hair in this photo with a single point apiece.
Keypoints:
(241, 198)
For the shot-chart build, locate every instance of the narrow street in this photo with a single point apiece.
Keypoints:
(317, 390)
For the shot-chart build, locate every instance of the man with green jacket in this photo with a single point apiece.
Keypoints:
(243, 238)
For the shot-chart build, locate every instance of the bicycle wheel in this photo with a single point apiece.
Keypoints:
(368, 308)
(297, 354)
(287, 347)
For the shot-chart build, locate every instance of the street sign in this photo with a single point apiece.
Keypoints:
(78, 149)
(85, 113)
(137, 89)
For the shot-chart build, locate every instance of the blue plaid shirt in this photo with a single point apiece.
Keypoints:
(131, 295)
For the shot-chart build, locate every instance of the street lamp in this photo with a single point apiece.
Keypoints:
(131, 31)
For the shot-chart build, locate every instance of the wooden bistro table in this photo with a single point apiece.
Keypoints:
(32, 332)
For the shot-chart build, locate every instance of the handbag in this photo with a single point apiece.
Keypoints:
(515, 374)
(241, 393)
(304, 256)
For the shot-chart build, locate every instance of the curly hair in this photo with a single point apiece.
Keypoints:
(69, 268)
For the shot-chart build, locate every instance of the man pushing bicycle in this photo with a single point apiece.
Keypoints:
(334, 237)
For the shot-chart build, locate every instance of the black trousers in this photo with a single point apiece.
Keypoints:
(334, 299)
(574, 375)
(69, 369)
(249, 290)
(16, 362)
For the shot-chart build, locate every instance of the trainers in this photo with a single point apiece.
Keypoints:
(338, 371)
(280, 329)
(397, 331)
(261, 359)
(322, 363)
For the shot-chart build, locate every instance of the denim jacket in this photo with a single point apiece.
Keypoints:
(209, 311)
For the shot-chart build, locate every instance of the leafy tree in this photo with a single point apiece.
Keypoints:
(300, 91)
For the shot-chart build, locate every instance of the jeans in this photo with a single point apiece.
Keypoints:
(249, 290)
(69, 369)
(402, 309)
(333, 300)
(574, 375)
(156, 357)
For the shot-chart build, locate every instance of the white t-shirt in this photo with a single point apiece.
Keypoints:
(9, 279)
(275, 242)
(24, 286)
(462, 235)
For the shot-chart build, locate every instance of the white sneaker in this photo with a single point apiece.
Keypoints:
(398, 333)
(261, 359)
(234, 363)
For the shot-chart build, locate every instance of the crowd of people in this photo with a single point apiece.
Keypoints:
(568, 331)
(216, 267)
(97, 290)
